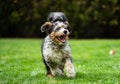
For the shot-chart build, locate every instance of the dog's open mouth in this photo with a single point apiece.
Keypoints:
(62, 38)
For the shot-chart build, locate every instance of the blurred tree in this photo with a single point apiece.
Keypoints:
(88, 18)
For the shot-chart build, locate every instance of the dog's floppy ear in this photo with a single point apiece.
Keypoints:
(69, 27)
(46, 26)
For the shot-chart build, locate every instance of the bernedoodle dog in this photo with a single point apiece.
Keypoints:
(55, 49)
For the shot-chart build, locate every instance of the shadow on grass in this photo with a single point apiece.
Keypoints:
(92, 77)
(99, 78)
(80, 77)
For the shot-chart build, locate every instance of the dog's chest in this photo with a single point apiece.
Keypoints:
(55, 55)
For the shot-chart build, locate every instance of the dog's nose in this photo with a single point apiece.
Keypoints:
(65, 32)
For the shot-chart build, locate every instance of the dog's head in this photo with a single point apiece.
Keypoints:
(58, 32)
(57, 29)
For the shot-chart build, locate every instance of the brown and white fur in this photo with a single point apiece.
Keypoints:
(55, 49)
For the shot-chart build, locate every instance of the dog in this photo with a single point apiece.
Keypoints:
(55, 49)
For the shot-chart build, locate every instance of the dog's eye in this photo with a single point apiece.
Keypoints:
(65, 28)
(57, 29)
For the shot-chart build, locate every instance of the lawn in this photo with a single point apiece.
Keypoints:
(21, 62)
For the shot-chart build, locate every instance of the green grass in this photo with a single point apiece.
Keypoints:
(21, 62)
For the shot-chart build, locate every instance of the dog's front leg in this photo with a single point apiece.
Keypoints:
(69, 68)
(56, 71)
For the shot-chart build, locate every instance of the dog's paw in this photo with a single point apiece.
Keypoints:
(49, 75)
(69, 70)
(70, 73)
(56, 71)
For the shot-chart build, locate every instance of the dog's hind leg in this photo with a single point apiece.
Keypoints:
(61, 67)
(48, 71)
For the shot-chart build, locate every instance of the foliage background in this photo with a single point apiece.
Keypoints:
(88, 18)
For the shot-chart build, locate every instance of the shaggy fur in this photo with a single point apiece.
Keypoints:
(56, 51)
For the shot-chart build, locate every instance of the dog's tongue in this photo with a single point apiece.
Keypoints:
(62, 39)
